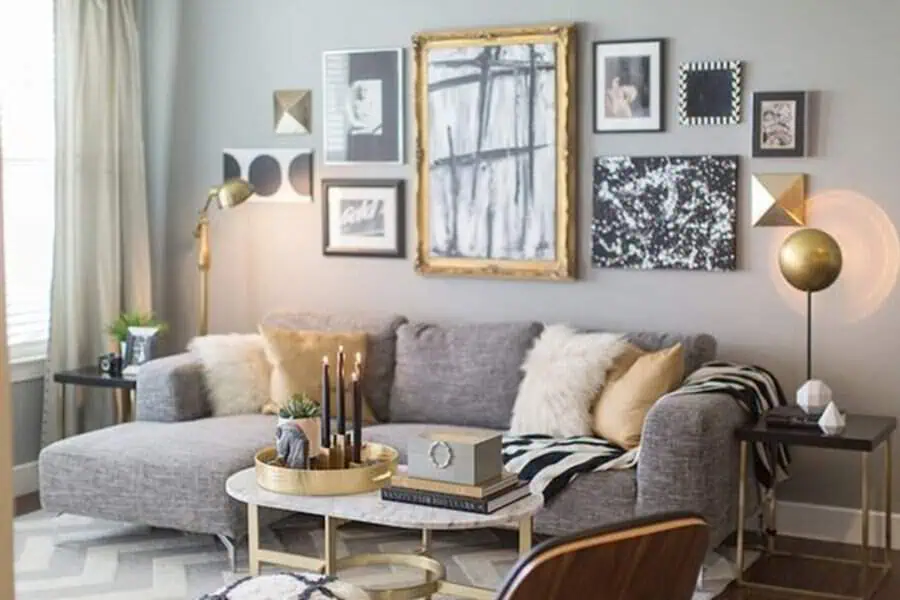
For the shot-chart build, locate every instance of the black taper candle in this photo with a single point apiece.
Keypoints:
(325, 425)
(357, 419)
(341, 409)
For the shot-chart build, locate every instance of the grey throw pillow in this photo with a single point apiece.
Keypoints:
(463, 374)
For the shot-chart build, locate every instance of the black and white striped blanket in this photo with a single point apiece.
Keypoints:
(549, 464)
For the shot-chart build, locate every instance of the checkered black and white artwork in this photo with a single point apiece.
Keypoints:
(709, 93)
(665, 212)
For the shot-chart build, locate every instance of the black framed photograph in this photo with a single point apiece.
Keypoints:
(363, 105)
(364, 217)
(779, 124)
(709, 92)
(628, 86)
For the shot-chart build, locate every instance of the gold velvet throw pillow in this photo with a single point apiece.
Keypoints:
(296, 358)
(636, 381)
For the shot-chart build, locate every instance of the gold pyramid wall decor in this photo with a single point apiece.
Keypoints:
(293, 112)
(778, 199)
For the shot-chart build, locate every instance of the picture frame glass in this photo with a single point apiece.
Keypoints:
(628, 86)
(494, 197)
(362, 219)
(363, 105)
(778, 124)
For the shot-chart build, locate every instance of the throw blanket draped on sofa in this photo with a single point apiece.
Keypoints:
(549, 464)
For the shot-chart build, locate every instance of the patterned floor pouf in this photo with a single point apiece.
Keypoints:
(288, 586)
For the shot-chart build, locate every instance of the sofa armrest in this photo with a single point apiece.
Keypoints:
(689, 459)
(171, 389)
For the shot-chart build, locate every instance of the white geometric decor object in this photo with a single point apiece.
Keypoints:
(813, 396)
(832, 422)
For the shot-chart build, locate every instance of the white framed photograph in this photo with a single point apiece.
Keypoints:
(363, 106)
(363, 218)
(277, 174)
(628, 86)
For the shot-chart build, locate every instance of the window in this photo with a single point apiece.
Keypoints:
(27, 139)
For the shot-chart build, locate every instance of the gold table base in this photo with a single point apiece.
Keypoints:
(872, 573)
(435, 574)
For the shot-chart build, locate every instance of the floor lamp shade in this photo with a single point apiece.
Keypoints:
(233, 192)
(810, 260)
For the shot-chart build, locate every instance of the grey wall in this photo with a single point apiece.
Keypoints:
(27, 400)
(212, 66)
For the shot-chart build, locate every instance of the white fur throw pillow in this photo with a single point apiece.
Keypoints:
(237, 372)
(564, 371)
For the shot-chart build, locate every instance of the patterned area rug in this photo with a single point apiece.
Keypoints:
(69, 557)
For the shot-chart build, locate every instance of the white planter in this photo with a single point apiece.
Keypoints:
(311, 427)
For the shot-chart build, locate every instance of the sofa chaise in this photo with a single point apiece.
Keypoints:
(168, 467)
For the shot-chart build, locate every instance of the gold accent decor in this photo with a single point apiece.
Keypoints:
(379, 464)
(434, 570)
(778, 199)
(810, 260)
(228, 195)
(563, 265)
(293, 111)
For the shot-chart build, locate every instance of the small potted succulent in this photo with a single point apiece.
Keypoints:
(300, 409)
(118, 329)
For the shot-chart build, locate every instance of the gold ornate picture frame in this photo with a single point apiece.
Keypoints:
(496, 152)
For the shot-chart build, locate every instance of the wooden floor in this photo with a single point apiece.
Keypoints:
(797, 572)
(819, 576)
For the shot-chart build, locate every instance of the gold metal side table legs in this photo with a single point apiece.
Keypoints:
(872, 573)
(435, 574)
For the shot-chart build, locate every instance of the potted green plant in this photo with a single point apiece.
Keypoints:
(300, 409)
(118, 329)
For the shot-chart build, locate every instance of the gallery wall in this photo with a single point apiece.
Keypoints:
(211, 68)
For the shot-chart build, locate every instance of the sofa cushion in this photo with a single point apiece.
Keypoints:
(235, 370)
(625, 401)
(397, 435)
(466, 374)
(698, 348)
(380, 347)
(296, 357)
(162, 474)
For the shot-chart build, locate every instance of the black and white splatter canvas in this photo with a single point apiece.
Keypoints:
(665, 212)
(492, 151)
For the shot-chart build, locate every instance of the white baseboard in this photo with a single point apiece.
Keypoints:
(25, 478)
(834, 524)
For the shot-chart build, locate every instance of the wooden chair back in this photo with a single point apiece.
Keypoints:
(651, 558)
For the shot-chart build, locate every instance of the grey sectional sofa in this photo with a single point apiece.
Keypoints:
(168, 468)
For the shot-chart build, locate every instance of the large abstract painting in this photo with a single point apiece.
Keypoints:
(665, 212)
(495, 152)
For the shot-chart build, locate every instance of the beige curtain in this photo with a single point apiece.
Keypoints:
(102, 249)
(6, 448)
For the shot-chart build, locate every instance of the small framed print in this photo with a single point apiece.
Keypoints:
(779, 124)
(628, 86)
(363, 218)
(709, 92)
(363, 103)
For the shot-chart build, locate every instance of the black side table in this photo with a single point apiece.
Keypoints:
(863, 434)
(124, 387)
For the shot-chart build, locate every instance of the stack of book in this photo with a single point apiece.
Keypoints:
(486, 497)
(791, 417)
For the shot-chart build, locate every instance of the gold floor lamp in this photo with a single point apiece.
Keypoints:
(233, 192)
(810, 260)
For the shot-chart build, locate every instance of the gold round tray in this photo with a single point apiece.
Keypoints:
(379, 463)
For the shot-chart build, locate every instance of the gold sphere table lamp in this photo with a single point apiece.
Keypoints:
(233, 192)
(810, 260)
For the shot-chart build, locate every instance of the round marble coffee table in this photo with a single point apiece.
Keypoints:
(370, 508)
